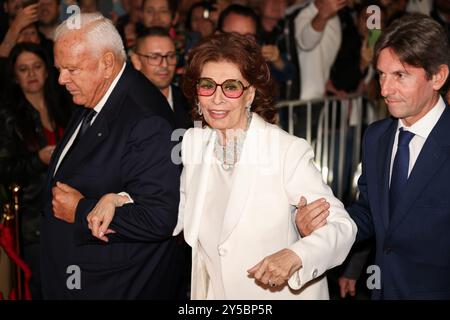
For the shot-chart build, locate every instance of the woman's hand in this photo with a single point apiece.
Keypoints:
(276, 269)
(101, 216)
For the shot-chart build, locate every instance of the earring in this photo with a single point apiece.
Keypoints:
(199, 109)
(248, 112)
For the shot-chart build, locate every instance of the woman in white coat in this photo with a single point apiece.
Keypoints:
(242, 177)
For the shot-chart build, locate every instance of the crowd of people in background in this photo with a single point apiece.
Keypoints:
(313, 48)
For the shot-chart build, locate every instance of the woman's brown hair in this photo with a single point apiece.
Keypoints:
(246, 54)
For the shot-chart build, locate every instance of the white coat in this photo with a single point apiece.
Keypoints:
(274, 170)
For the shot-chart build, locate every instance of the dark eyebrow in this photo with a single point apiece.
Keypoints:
(396, 72)
(161, 54)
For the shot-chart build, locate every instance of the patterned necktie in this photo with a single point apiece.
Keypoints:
(400, 168)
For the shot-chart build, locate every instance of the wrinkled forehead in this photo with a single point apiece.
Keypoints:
(71, 41)
(71, 48)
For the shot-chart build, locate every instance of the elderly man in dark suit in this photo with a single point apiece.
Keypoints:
(119, 141)
(404, 195)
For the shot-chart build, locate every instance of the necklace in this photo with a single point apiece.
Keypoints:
(229, 154)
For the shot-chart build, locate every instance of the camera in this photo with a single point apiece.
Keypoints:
(209, 7)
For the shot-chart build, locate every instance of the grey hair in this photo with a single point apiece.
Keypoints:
(98, 31)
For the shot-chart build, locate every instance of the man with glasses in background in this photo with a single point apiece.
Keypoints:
(156, 58)
(164, 13)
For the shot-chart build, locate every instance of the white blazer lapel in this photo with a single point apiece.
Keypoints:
(243, 180)
(197, 186)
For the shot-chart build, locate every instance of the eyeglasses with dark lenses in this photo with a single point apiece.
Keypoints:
(231, 88)
(156, 59)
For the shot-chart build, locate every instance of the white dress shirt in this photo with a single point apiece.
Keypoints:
(421, 130)
(97, 108)
(211, 227)
(170, 98)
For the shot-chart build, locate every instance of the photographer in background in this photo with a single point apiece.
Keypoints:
(18, 18)
(243, 20)
(199, 18)
(49, 17)
(154, 55)
(23, 17)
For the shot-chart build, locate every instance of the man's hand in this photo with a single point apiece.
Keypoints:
(347, 285)
(311, 217)
(329, 8)
(276, 269)
(65, 202)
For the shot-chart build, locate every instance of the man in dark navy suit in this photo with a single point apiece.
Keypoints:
(404, 199)
(155, 56)
(119, 141)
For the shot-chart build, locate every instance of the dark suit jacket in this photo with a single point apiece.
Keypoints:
(181, 109)
(127, 148)
(412, 248)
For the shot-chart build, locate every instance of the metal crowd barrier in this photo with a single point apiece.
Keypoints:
(333, 126)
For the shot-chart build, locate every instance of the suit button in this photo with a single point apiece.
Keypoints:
(222, 251)
(387, 250)
(314, 274)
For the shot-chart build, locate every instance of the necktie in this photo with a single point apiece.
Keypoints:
(86, 123)
(89, 114)
(400, 168)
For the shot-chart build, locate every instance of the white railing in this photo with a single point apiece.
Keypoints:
(333, 126)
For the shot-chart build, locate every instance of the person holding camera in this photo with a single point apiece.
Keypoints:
(20, 17)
